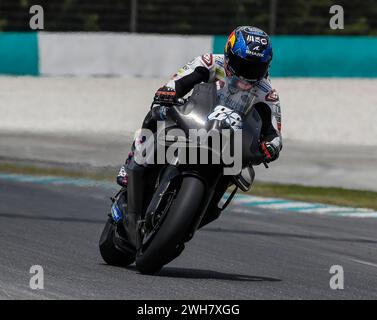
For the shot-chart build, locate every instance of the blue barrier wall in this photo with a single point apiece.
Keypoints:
(320, 56)
(294, 56)
(19, 53)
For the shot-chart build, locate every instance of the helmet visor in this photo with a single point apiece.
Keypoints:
(249, 70)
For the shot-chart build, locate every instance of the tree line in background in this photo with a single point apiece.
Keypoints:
(191, 16)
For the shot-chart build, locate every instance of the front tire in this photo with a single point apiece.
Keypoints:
(167, 244)
(110, 253)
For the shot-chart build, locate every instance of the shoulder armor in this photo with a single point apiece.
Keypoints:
(207, 59)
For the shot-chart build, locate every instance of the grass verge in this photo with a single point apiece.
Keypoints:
(326, 195)
(56, 171)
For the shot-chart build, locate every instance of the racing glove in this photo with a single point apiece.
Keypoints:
(165, 95)
(269, 151)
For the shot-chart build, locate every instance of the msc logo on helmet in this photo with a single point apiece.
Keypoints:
(255, 39)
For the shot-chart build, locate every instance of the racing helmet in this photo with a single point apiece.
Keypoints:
(248, 53)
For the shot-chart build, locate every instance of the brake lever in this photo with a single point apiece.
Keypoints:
(181, 101)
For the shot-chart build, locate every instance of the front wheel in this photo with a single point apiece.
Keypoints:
(110, 252)
(168, 241)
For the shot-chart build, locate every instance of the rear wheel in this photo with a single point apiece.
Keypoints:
(168, 241)
(113, 248)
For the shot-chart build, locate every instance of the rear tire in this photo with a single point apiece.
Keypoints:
(168, 241)
(109, 251)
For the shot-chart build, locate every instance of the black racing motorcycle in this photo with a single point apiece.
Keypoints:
(165, 204)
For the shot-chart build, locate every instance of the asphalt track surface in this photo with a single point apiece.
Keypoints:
(255, 254)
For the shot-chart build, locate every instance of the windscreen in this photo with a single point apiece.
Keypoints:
(236, 94)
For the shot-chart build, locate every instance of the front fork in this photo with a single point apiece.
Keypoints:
(135, 198)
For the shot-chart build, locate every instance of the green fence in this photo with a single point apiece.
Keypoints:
(320, 56)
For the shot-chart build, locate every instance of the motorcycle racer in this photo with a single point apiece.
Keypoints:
(246, 59)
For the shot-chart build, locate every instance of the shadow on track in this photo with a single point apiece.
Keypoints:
(290, 235)
(208, 274)
(187, 273)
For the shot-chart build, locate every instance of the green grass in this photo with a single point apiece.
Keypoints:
(335, 196)
(326, 195)
(54, 171)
